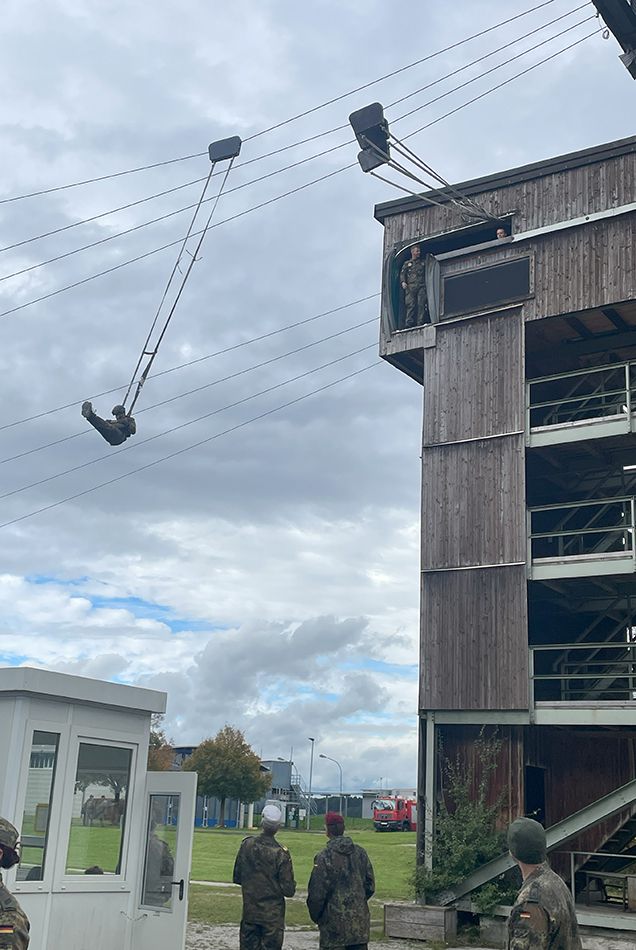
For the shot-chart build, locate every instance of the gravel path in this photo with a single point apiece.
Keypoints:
(204, 937)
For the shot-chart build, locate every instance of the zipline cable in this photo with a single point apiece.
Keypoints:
(197, 359)
(334, 148)
(283, 149)
(190, 392)
(300, 115)
(195, 445)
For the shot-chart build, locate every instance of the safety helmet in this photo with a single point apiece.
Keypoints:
(119, 410)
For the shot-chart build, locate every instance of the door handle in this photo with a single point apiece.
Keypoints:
(181, 885)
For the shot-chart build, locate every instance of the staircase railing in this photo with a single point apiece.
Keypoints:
(579, 396)
(603, 526)
(607, 674)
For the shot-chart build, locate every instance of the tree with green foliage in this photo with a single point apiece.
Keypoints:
(465, 828)
(228, 767)
(160, 750)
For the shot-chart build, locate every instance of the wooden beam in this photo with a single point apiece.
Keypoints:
(614, 317)
(580, 327)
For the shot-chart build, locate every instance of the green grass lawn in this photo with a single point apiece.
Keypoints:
(392, 855)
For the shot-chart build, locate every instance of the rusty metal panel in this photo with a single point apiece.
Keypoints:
(473, 379)
(474, 650)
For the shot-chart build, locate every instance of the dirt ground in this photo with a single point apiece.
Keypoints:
(203, 937)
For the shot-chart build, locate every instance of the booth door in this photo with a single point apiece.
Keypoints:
(162, 905)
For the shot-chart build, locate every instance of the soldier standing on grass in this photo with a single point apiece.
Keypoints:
(543, 916)
(14, 924)
(340, 886)
(263, 868)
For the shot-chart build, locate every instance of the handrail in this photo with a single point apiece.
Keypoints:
(580, 372)
(582, 504)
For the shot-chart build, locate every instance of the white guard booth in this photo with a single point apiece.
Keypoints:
(106, 845)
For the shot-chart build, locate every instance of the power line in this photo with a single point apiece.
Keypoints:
(191, 392)
(167, 215)
(189, 448)
(443, 95)
(141, 257)
(198, 359)
(300, 115)
(283, 148)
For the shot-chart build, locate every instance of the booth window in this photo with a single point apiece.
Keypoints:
(99, 809)
(37, 805)
(161, 847)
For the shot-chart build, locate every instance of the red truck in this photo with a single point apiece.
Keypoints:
(395, 814)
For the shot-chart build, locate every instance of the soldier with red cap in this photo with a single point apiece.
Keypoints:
(14, 924)
(340, 886)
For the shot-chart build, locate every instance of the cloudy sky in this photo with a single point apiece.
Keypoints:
(268, 576)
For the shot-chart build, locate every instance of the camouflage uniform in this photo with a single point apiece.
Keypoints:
(543, 916)
(114, 431)
(340, 885)
(413, 274)
(263, 868)
(14, 924)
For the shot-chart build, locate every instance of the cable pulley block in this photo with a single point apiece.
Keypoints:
(225, 149)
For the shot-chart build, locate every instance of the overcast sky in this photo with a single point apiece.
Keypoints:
(269, 577)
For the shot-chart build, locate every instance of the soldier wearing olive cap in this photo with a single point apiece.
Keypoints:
(543, 916)
(14, 924)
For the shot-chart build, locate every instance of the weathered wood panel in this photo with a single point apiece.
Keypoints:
(576, 269)
(581, 765)
(573, 270)
(473, 503)
(473, 379)
(474, 650)
(506, 783)
(420, 922)
(542, 201)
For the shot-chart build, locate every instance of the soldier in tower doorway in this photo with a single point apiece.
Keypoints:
(14, 924)
(543, 916)
(413, 283)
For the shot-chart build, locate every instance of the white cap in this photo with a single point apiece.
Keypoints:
(272, 816)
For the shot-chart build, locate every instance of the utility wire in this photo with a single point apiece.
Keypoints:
(300, 115)
(188, 448)
(283, 148)
(292, 191)
(190, 392)
(141, 257)
(171, 214)
(198, 359)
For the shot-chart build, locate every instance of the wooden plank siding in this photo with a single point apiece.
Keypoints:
(574, 270)
(474, 639)
(473, 380)
(540, 202)
(582, 764)
(473, 504)
(474, 622)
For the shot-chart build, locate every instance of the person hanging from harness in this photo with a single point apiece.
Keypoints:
(116, 430)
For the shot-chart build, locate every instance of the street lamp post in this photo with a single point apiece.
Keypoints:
(323, 756)
(311, 772)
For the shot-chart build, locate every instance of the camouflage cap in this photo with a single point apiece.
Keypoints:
(8, 835)
(526, 841)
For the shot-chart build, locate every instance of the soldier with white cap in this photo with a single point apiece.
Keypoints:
(14, 924)
(263, 868)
